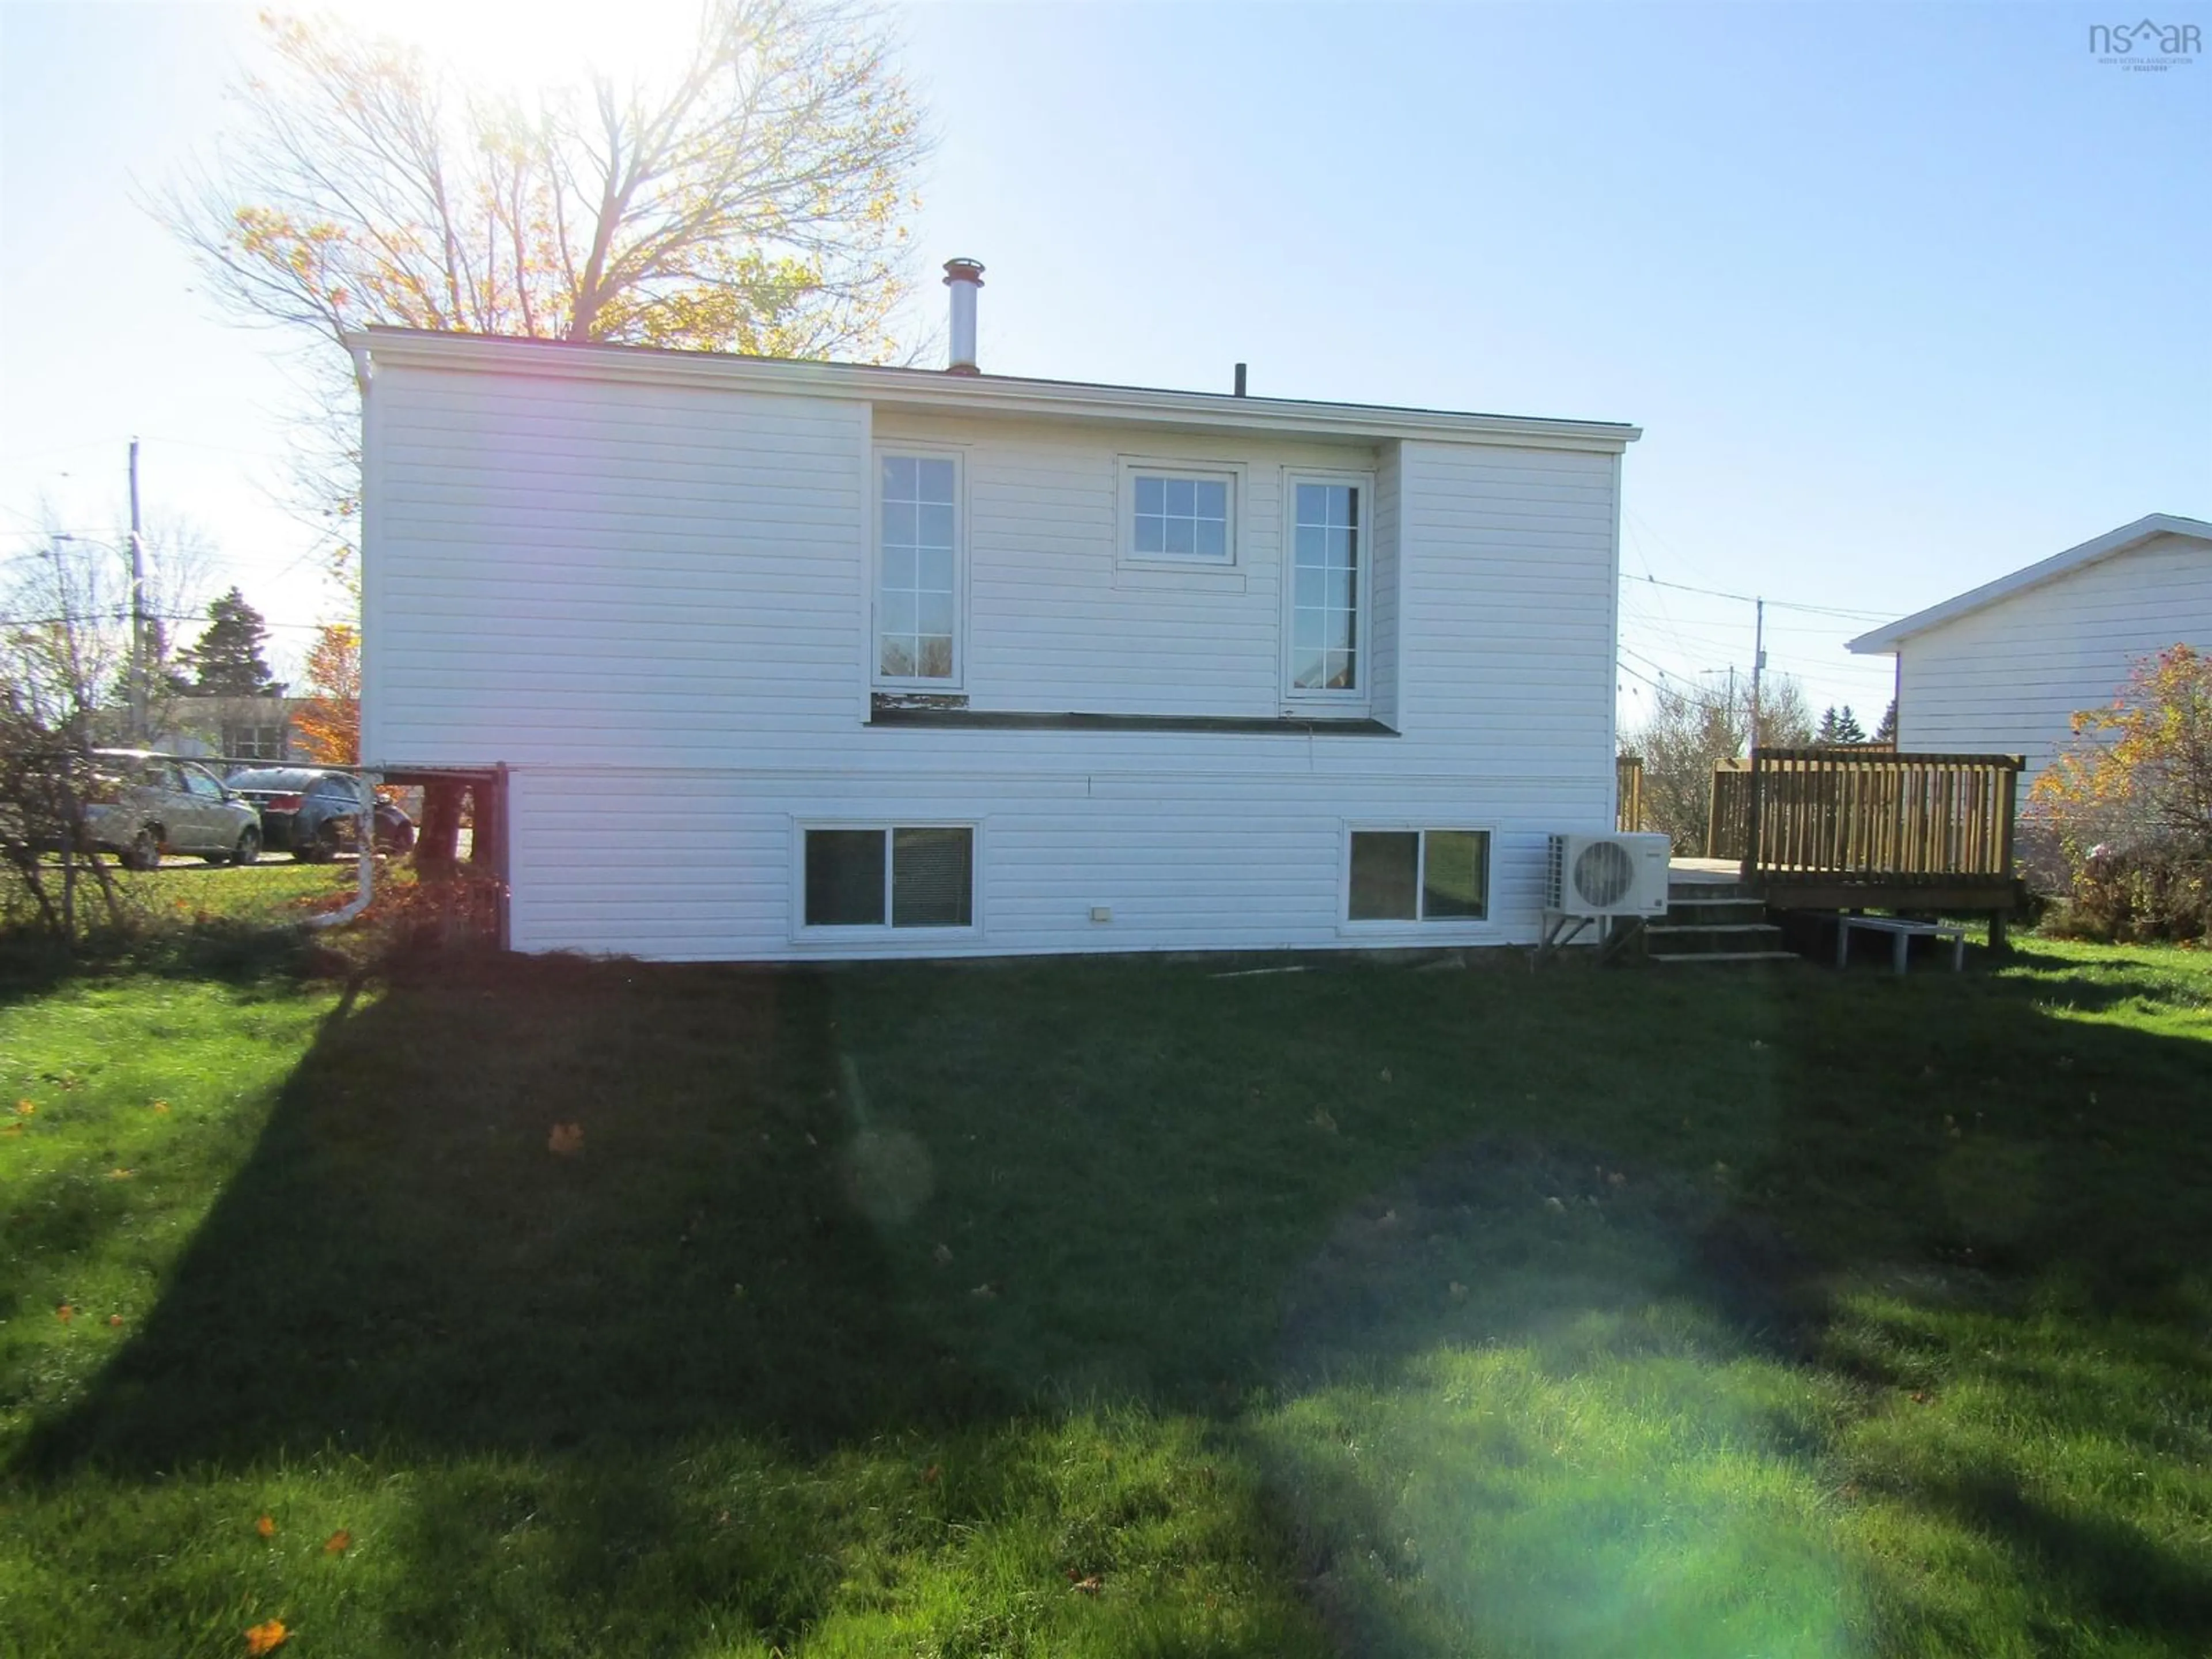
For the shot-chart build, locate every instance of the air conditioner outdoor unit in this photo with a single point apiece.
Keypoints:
(1619, 875)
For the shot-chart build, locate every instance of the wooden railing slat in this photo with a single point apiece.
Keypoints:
(1860, 814)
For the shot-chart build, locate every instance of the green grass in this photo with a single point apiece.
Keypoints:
(1112, 1307)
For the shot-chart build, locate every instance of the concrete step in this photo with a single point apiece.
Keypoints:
(1674, 930)
(1724, 956)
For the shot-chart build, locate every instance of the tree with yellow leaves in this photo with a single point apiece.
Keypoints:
(329, 724)
(2130, 801)
(749, 195)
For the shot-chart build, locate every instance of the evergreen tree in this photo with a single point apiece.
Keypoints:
(227, 661)
(1886, 732)
(1847, 729)
(163, 674)
(1826, 734)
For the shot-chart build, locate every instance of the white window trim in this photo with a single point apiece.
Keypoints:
(1234, 474)
(801, 934)
(1361, 698)
(957, 454)
(1443, 928)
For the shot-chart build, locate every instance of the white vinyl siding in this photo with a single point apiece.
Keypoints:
(2006, 679)
(609, 571)
(1386, 582)
(658, 601)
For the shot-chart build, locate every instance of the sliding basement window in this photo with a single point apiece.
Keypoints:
(889, 876)
(1418, 875)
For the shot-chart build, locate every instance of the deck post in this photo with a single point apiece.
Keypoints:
(1750, 869)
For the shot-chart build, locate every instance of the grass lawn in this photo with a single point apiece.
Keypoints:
(1110, 1307)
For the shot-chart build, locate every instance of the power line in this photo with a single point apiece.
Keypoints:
(1754, 598)
(1694, 699)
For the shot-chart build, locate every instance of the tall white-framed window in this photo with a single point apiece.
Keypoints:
(919, 534)
(1326, 525)
(857, 878)
(1179, 515)
(1405, 874)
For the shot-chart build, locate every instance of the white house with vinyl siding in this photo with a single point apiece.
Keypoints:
(2002, 668)
(794, 660)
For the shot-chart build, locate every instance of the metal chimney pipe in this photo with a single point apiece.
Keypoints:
(963, 278)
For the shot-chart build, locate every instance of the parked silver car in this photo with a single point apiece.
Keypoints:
(144, 805)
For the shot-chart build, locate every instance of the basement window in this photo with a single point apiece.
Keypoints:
(886, 876)
(1419, 875)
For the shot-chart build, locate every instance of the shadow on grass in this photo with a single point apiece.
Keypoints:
(404, 1262)
(894, 1215)
(240, 954)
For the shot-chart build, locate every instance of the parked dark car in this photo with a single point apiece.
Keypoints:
(311, 813)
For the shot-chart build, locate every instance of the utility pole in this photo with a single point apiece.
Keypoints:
(137, 611)
(1758, 665)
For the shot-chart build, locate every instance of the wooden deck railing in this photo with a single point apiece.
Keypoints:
(1628, 793)
(1833, 817)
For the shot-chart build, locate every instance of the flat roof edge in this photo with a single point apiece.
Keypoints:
(992, 394)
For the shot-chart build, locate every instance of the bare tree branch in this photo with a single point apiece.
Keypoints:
(750, 198)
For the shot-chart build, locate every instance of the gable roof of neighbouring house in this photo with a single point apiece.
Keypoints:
(2111, 544)
(937, 390)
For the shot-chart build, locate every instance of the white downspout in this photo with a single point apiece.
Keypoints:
(364, 842)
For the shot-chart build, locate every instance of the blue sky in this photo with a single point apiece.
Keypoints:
(1904, 296)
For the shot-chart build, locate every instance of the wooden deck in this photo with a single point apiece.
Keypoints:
(1868, 829)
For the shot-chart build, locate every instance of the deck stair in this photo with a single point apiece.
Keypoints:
(1713, 922)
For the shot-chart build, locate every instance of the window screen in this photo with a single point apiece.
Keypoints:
(1420, 875)
(1455, 873)
(844, 878)
(932, 877)
(1386, 868)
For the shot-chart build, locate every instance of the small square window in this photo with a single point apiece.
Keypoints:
(1179, 517)
(1420, 875)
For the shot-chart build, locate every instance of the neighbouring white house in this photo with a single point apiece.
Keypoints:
(2003, 669)
(789, 660)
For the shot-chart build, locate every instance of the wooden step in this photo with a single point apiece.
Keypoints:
(1723, 956)
(1720, 911)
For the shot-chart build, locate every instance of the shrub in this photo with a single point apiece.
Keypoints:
(412, 918)
(2128, 805)
(2117, 898)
